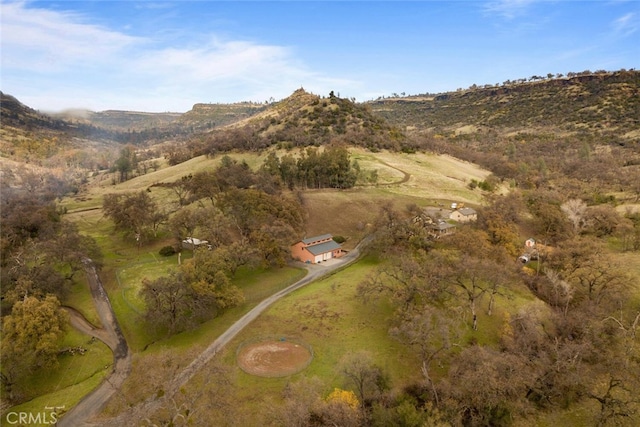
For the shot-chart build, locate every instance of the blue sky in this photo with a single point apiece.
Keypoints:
(161, 56)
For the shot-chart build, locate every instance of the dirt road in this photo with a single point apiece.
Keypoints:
(112, 336)
(406, 176)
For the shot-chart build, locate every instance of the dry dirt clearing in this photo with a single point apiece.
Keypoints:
(273, 358)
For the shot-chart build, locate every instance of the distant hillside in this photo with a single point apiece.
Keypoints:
(17, 115)
(305, 119)
(209, 116)
(140, 127)
(26, 133)
(602, 105)
(200, 117)
(580, 133)
(30, 134)
(121, 121)
(598, 103)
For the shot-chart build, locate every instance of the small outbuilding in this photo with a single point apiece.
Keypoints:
(316, 249)
(524, 258)
(441, 228)
(464, 215)
(191, 243)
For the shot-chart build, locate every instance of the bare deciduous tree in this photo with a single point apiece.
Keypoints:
(575, 210)
(433, 334)
(361, 372)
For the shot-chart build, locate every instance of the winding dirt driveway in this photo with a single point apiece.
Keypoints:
(406, 176)
(112, 336)
(153, 403)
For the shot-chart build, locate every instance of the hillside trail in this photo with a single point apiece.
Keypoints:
(406, 176)
(112, 336)
(153, 403)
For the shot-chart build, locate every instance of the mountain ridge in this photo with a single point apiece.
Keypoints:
(603, 104)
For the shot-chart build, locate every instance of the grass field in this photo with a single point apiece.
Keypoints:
(327, 316)
(75, 376)
(432, 177)
(178, 350)
(419, 179)
(631, 264)
(437, 178)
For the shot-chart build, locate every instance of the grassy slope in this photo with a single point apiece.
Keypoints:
(433, 180)
(432, 177)
(327, 316)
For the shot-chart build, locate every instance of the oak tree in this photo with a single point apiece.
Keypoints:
(31, 338)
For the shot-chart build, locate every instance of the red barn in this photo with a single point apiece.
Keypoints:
(316, 249)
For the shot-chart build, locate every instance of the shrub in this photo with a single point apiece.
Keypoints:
(486, 186)
(167, 251)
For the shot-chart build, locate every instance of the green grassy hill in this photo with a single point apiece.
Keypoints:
(304, 119)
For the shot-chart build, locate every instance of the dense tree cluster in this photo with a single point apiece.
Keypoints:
(126, 163)
(40, 255)
(575, 342)
(243, 215)
(40, 252)
(31, 337)
(195, 292)
(136, 214)
(330, 168)
(267, 223)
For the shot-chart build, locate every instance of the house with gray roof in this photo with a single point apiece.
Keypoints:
(440, 228)
(316, 249)
(464, 215)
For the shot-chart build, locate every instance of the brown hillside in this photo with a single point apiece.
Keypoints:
(209, 116)
(603, 103)
(305, 119)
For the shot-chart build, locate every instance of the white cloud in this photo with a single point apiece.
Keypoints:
(508, 9)
(227, 71)
(57, 60)
(627, 24)
(217, 60)
(34, 38)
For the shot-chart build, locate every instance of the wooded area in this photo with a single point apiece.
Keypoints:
(577, 342)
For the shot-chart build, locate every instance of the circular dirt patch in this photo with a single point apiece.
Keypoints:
(274, 358)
